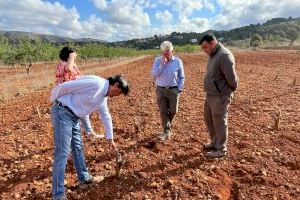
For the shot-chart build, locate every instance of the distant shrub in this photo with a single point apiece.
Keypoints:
(256, 40)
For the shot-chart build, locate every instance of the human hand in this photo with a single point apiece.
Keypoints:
(163, 61)
(94, 136)
(112, 145)
(73, 55)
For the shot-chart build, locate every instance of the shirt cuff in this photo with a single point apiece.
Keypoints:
(109, 135)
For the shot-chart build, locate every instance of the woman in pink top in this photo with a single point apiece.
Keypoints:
(67, 70)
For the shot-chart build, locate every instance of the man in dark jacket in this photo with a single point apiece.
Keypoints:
(220, 83)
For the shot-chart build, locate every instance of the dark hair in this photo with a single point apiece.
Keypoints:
(122, 83)
(65, 52)
(208, 38)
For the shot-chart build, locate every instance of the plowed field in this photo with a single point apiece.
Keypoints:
(263, 162)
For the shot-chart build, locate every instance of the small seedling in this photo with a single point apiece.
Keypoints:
(277, 120)
(119, 162)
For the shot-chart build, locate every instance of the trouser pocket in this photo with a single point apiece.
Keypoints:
(225, 99)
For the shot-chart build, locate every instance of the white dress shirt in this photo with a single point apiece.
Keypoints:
(85, 95)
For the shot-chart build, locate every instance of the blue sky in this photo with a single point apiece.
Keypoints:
(114, 20)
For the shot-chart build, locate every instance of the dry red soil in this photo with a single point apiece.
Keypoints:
(263, 162)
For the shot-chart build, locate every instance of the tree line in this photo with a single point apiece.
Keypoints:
(274, 31)
(27, 51)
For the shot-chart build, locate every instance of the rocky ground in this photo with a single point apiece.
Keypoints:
(263, 160)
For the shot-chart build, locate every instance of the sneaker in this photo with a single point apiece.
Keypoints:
(215, 154)
(93, 137)
(164, 136)
(84, 185)
(88, 183)
(209, 147)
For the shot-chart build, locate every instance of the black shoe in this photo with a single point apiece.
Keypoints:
(215, 154)
(209, 147)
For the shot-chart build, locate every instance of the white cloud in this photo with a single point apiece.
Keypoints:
(237, 13)
(124, 12)
(127, 19)
(53, 18)
(193, 25)
(144, 3)
(100, 4)
(39, 16)
(202, 23)
(95, 28)
(185, 8)
(165, 17)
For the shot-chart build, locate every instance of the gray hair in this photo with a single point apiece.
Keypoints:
(166, 45)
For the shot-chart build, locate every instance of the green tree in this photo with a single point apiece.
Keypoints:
(275, 39)
(4, 45)
(12, 57)
(27, 51)
(256, 40)
(47, 52)
(292, 35)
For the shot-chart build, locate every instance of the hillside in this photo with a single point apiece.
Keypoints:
(14, 37)
(274, 29)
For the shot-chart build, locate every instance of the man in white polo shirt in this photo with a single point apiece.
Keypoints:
(73, 100)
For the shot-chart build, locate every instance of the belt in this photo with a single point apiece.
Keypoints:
(61, 104)
(168, 87)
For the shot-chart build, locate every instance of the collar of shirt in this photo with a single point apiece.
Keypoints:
(173, 57)
(215, 50)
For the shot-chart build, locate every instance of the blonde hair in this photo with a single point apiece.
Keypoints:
(166, 45)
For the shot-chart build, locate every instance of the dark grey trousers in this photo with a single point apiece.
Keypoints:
(167, 101)
(216, 119)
